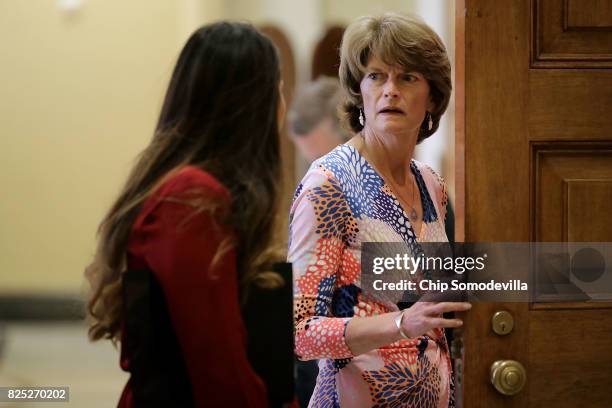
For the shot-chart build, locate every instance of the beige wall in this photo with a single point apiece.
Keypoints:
(80, 96)
(345, 11)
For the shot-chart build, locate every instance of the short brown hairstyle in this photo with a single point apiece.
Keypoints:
(397, 39)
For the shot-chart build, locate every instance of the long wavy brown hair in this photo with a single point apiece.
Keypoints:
(219, 114)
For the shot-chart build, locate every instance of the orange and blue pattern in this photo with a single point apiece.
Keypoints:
(340, 203)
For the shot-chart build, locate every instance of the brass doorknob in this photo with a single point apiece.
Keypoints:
(508, 376)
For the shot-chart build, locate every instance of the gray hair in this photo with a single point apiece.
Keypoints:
(315, 102)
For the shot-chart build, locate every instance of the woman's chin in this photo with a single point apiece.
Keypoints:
(396, 127)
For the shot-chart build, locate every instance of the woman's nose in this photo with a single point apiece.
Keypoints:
(390, 89)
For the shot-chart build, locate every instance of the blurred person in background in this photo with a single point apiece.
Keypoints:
(396, 74)
(314, 124)
(197, 212)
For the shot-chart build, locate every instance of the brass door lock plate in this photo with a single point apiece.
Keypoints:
(502, 322)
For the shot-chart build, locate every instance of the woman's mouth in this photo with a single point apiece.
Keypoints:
(391, 110)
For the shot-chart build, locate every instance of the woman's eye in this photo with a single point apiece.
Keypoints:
(410, 77)
(374, 76)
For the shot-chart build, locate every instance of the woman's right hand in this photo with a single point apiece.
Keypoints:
(425, 316)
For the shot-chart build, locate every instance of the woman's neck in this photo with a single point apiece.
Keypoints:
(390, 154)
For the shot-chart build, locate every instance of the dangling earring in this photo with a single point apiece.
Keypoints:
(361, 118)
(429, 121)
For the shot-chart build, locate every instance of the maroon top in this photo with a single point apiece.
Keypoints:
(178, 245)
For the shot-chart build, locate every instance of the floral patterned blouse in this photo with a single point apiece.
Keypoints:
(340, 203)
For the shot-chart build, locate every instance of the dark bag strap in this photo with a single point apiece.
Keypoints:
(159, 376)
(268, 317)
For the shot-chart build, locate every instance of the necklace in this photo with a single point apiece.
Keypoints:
(413, 214)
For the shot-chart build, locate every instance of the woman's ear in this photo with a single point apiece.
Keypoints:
(430, 105)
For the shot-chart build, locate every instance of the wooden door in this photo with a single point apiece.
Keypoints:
(537, 166)
(287, 182)
(326, 56)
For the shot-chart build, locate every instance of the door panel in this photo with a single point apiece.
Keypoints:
(569, 358)
(571, 33)
(572, 191)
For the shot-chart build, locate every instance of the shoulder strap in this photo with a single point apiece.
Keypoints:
(159, 376)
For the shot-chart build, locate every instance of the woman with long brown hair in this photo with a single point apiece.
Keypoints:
(197, 212)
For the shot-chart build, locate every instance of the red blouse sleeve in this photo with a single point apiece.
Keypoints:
(178, 245)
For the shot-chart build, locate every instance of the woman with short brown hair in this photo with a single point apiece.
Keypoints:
(397, 39)
(397, 77)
